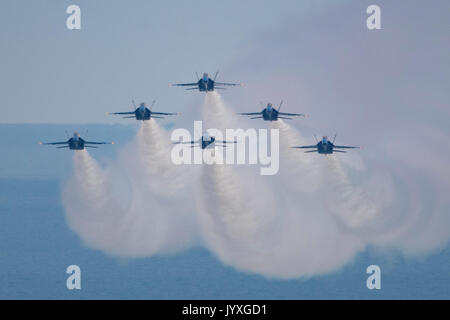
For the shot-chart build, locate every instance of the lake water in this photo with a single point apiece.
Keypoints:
(36, 245)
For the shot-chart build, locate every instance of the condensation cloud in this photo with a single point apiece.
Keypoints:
(384, 91)
(138, 205)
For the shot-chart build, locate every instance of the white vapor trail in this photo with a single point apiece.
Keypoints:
(264, 225)
(293, 161)
(138, 205)
(229, 210)
(311, 218)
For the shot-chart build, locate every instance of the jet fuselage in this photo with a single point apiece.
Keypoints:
(270, 113)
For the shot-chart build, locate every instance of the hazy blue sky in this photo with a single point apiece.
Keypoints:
(134, 49)
(124, 49)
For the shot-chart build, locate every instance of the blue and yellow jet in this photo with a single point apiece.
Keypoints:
(269, 113)
(206, 84)
(325, 146)
(75, 143)
(143, 113)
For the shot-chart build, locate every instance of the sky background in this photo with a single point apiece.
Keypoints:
(316, 55)
(386, 90)
(124, 50)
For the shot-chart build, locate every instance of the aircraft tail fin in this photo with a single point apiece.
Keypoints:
(280, 105)
(215, 76)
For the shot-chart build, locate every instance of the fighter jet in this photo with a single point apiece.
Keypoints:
(76, 143)
(271, 114)
(206, 84)
(143, 113)
(206, 142)
(325, 146)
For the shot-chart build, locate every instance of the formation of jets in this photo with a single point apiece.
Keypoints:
(205, 84)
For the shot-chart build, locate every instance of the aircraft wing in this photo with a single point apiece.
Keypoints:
(185, 84)
(222, 141)
(305, 147)
(131, 112)
(92, 142)
(226, 84)
(291, 114)
(185, 142)
(250, 113)
(165, 113)
(54, 143)
(346, 147)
